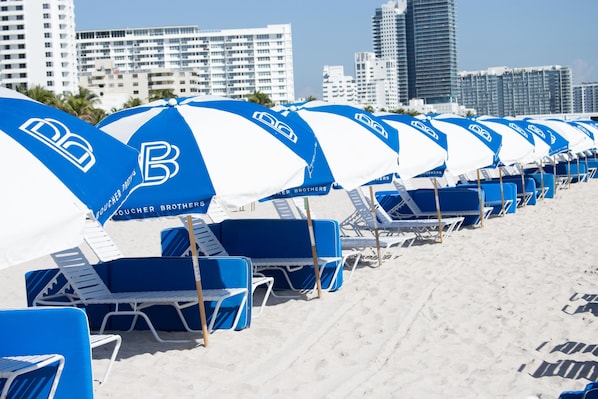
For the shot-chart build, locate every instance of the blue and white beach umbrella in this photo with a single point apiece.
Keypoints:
(578, 140)
(195, 148)
(423, 148)
(557, 143)
(358, 146)
(57, 170)
(471, 146)
(518, 145)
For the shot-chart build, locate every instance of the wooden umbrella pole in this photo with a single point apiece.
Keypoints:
(554, 171)
(568, 171)
(480, 200)
(202, 309)
(542, 180)
(314, 252)
(438, 213)
(502, 193)
(376, 232)
(523, 184)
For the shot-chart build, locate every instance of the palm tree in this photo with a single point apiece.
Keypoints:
(260, 98)
(80, 104)
(160, 94)
(38, 93)
(310, 98)
(96, 115)
(132, 102)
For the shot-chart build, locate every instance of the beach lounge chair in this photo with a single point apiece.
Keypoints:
(415, 210)
(354, 247)
(13, 368)
(85, 287)
(276, 248)
(216, 212)
(210, 246)
(363, 220)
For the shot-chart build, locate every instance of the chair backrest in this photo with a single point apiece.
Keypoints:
(283, 208)
(361, 207)
(381, 213)
(216, 212)
(406, 197)
(100, 242)
(205, 239)
(81, 275)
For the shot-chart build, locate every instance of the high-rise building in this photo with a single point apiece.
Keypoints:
(585, 97)
(432, 50)
(389, 37)
(420, 36)
(376, 81)
(38, 45)
(506, 91)
(336, 86)
(232, 63)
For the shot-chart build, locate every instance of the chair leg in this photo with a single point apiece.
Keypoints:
(261, 280)
(147, 320)
(97, 340)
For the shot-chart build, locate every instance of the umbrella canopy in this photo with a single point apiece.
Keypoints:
(557, 144)
(471, 146)
(423, 148)
(358, 146)
(578, 140)
(590, 127)
(195, 148)
(518, 145)
(58, 169)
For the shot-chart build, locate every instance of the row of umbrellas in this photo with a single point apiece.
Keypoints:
(170, 157)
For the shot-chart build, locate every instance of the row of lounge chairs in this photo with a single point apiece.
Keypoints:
(79, 284)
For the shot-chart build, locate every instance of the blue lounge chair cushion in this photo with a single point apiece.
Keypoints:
(160, 274)
(272, 238)
(52, 330)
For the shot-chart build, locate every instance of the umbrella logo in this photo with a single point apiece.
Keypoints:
(372, 124)
(480, 131)
(58, 137)
(271, 121)
(158, 162)
(426, 129)
(518, 129)
(536, 130)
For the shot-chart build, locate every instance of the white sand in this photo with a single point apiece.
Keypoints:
(452, 320)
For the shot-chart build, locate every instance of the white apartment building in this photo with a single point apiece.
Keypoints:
(376, 81)
(114, 88)
(336, 87)
(38, 45)
(232, 63)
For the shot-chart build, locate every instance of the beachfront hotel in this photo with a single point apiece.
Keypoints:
(503, 91)
(231, 63)
(38, 45)
(419, 36)
(585, 97)
(414, 56)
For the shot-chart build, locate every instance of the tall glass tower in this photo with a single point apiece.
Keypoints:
(421, 34)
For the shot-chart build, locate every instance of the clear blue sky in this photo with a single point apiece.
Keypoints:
(512, 33)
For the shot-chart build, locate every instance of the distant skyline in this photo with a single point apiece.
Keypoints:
(511, 33)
